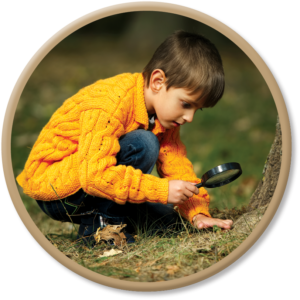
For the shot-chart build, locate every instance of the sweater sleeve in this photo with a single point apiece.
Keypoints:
(173, 164)
(98, 173)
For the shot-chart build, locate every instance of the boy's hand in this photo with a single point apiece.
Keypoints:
(180, 191)
(201, 221)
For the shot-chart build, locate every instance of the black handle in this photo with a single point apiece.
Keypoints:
(199, 185)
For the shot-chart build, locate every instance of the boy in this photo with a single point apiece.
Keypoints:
(91, 163)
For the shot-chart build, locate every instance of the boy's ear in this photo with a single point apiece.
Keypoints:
(157, 80)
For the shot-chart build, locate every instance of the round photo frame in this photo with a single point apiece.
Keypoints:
(286, 146)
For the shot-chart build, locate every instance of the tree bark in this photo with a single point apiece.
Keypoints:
(266, 187)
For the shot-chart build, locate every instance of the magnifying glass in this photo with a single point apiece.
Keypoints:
(220, 175)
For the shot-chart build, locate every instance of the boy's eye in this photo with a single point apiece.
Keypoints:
(185, 104)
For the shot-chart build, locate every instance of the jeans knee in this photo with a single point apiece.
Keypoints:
(140, 149)
(150, 142)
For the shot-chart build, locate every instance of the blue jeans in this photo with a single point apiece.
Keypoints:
(140, 150)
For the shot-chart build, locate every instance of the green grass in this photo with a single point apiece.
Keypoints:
(156, 258)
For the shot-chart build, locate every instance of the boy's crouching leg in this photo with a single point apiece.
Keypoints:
(139, 149)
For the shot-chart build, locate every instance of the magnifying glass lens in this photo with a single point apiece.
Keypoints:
(222, 177)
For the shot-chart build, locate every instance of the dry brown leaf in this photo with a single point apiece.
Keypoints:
(172, 269)
(111, 232)
(111, 252)
(138, 270)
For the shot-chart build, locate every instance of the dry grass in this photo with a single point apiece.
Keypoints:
(165, 257)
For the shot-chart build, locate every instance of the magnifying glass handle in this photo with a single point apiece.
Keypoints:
(199, 185)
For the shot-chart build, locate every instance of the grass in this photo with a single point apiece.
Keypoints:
(167, 256)
(152, 258)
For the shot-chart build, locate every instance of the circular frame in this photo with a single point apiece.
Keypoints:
(162, 7)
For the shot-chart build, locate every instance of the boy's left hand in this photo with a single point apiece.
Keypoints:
(202, 221)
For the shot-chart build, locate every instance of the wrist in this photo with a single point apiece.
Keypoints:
(194, 218)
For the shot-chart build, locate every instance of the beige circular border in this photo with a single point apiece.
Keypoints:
(162, 7)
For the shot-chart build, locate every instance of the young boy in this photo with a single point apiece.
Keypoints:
(91, 163)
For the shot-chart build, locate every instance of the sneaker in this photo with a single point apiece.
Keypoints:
(88, 227)
(86, 233)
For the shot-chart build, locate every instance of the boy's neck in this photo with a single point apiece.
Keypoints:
(148, 97)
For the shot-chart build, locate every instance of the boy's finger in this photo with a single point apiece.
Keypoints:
(193, 188)
(188, 193)
(184, 197)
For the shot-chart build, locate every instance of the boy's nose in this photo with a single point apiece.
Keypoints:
(189, 117)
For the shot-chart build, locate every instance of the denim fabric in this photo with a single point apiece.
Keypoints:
(139, 149)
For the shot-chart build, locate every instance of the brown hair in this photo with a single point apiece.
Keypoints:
(192, 62)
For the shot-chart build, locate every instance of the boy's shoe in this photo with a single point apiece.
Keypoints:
(129, 238)
(86, 233)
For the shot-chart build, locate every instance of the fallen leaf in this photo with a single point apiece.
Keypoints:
(111, 232)
(111, 252)
(172, 269)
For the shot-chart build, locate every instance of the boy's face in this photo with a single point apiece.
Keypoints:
(175, 107)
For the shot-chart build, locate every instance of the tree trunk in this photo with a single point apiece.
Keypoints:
(266, 187)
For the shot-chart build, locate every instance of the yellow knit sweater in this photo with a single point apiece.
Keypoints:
(78, 147)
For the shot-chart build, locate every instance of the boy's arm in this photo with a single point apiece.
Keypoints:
(173, 164)
(98, 174)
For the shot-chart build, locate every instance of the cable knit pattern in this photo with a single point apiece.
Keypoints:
(78, 148)
(173, 164)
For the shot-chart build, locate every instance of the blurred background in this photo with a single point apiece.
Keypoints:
(240, 128)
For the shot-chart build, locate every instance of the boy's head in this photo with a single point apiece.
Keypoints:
(191, 62)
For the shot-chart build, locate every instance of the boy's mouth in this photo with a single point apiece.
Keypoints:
(176, 124)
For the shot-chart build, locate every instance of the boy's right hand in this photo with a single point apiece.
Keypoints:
(180, 191)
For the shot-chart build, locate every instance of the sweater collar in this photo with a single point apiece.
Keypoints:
(141, 115)
(140, 110)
